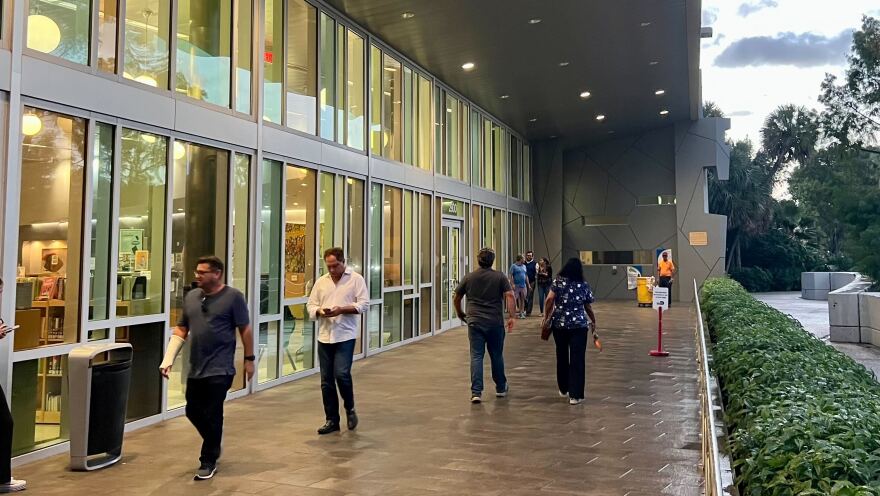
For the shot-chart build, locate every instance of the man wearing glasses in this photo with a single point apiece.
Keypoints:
(209, 317)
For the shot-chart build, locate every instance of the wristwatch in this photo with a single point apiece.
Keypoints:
(250, 358)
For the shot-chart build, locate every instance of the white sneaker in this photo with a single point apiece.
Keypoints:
(13, 486)
(476, 399)
(502, 394)
(564, 395)
(575, 401)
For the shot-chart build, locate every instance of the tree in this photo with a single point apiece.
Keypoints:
(711, 109)
(789, 135)
(852, 116)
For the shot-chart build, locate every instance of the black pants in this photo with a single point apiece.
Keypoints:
(530, 297)
(335, 360)
(204, 408)
(5, 440)
(571, 354)
(666, 282)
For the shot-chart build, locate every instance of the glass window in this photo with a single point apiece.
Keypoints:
(355, 249)
(340, 78)
(273, 61)
(98, 334)
(425, 310)
(515, 236)
(376, 214)
(488, 168)
(355, 91)
(147, 33)
(476, 239)
(408, 237)
(392, 318)
(498, 240)
(515, 170)
(392, 97)
(240, 213)
(425, 246)
(374, 326)
(408, 114)
(60, 28)
(108, 10)
(488, 241)
(145, 394)
(198, 221)
(425, 124)
(375, 100)
(270, 238)
(298, 340)
(204, 49)
(302, 41)
(327, 51)
(327, 216)
(102, 205)
(497, 159)
(244, 56)
(410, 311)
(50, 223)
(527, 173)
(476, 151)
(392, 212)
(299, 231)
(267, 352)
(140, 276)
(38, 403)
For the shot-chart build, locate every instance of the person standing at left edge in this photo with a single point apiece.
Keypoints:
(336, 301)
(210, 315)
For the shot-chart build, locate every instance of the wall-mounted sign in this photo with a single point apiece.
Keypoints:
(698, 238)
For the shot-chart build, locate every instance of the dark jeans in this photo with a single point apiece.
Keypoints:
(481, 338)
(666, 282)
(530, 297)
(543, 291)
(571, 354)
(5, 440)
(335, 360)
(204, 408)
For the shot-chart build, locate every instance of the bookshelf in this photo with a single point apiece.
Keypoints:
(49, 388)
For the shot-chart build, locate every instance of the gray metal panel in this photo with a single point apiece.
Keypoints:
(204, 122)
(517, 205)
(845, 334)
(815, 280)
(387, 171)
(450, 187)
(41, 79)
(345, 159)
(5, 69)
(487, 197)
(294, 146)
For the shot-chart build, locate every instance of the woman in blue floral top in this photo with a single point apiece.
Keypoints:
(568, 305)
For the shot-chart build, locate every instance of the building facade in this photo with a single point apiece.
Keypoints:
(142, 134)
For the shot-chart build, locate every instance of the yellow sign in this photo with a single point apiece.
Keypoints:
(698, 238)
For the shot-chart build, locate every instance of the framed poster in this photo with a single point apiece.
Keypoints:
(142, 260)
(130, 241)
(54, 260)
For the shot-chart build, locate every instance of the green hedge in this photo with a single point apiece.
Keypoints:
(803, 417)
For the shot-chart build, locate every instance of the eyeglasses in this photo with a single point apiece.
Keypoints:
(203, 272)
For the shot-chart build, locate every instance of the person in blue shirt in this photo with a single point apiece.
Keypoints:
(520, 281)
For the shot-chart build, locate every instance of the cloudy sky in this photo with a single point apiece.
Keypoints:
(767, 53)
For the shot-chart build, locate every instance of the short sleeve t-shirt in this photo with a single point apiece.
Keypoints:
(518, 272)
(666, 268)
(568, 305)
(484, 289)
(212, 328)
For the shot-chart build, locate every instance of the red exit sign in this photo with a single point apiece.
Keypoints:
(268, 57)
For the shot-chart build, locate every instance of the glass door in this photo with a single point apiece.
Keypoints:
(451, 271)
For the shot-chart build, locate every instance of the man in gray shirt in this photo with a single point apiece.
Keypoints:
(210, 315)
(486, 290)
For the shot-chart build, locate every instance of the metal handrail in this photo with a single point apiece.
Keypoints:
(714, 483)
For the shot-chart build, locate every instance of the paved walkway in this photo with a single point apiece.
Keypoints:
(637, 433)
(813, 315)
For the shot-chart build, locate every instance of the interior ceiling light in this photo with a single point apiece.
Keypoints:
(664, 112)
(600, 117)
(564, 64)
(505, 97)
(31, 124)
(653, 62)
(147, 80)
(407, 15)
(659, 92)
(148, 138)
(468, 66)
(179, 150)
(645, 24)
(533, 119)
(535, 20)
(43, 34)
(585, 94)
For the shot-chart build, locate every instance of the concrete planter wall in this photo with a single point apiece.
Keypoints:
(817, 285)
(869, 318)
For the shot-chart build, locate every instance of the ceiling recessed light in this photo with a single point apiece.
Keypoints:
(564, 64)
(600, 117)
(664, 112)
(407, 15)
(653, 62)
(645, 24)
(611, 132)
(533, 119)
(505, 97)
(659, 92)
(535, 20)
(468, 66)
(585, 94)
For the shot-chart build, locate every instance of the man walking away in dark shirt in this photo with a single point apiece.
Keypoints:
(532, 273)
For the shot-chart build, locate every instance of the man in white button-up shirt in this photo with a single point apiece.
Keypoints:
(336, 302)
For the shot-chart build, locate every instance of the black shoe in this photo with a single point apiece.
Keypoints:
(206, 471)
(352, 420)
(329, 427)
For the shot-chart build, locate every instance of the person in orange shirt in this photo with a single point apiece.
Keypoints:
(666, 269)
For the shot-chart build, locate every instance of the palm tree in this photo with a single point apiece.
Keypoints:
(789, 135)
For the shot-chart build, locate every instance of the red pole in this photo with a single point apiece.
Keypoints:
(659, 351)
